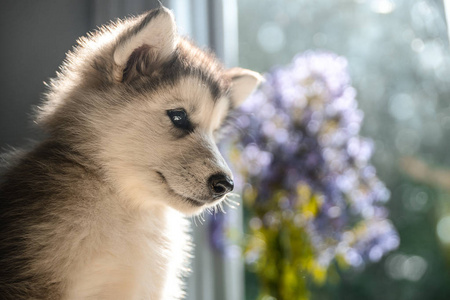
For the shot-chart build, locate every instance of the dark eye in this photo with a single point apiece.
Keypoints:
(180, 119)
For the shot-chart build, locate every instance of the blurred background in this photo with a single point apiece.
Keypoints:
(397, 58)
(399, 63)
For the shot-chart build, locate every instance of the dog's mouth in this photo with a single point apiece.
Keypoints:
(187, 199)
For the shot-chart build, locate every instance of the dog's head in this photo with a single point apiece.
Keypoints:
(146, 103)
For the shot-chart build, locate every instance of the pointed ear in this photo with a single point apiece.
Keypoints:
(243, 83)
(151, 41)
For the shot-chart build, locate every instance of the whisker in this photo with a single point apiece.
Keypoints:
(234, 195)
(195, 221)
(202, 217)
(220, 205)
(234, 202)
(231, 203)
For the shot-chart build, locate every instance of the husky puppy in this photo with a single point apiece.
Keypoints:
(96, 210)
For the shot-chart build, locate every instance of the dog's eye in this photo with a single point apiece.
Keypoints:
(180, 119)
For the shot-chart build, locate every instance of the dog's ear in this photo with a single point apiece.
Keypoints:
(243, 83)
(146, 45)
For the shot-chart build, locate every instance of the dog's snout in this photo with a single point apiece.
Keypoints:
(220, 184)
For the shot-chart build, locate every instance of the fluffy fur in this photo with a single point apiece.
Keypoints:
(96, 211)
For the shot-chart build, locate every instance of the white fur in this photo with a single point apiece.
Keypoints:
(140, 257)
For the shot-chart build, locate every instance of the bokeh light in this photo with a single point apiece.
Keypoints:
(443, 229)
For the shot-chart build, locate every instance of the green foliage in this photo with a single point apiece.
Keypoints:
(286, 259)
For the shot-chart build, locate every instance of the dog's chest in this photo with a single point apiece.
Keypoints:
(133, 259)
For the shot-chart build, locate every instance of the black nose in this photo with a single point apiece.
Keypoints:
(220, 184)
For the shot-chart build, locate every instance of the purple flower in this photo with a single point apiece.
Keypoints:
(299, 138)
